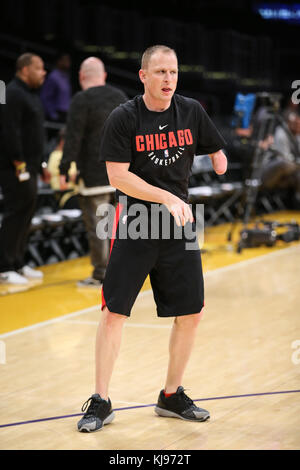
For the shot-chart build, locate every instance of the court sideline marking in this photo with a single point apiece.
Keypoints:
(136, 406)
(53, 418)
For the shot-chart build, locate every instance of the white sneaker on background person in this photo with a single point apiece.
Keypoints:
(12, 277)
(31, 273)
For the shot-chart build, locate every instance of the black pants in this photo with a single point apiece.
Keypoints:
(19, 202)
(99, 249)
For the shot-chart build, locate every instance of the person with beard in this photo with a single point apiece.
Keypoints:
(22, 146)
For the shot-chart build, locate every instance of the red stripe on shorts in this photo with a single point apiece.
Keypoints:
(113, 237)
(115, 226)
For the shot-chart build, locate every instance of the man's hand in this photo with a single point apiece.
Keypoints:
(63, 183)
(73, 177)
(19, 166)
(265, 144)
(46, 176)
(219, 162)
(121, 178)
(179, 209)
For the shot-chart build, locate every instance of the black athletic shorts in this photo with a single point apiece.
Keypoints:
(175, 272)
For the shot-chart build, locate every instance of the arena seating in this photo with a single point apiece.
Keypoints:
(56, 236)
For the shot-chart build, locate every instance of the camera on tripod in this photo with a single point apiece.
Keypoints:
(291, 235)
(271, 100)
(267, 235)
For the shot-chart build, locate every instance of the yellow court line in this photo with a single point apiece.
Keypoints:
(58, 294)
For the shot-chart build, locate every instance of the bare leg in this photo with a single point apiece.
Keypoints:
(108, 342)
(180, 348)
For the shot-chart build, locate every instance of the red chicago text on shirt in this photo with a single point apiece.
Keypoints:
(150, 142)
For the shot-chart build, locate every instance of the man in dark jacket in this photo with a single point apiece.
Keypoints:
(88, 112)
(22, 146)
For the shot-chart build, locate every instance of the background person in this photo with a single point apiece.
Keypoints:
(282, 169)
(56, 93)
(22, 147)
(88, 112)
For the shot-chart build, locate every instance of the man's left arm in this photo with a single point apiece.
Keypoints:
(219, 162)
(210, 141)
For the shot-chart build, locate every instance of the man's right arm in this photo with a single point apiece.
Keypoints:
(121, 178)
(116, 151)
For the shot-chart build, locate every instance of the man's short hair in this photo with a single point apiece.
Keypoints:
(24, 60)
(151, 50)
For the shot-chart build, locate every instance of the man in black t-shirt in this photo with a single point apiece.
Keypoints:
(22, 140)
(148, 145)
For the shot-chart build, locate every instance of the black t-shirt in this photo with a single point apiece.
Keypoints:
(160, 146)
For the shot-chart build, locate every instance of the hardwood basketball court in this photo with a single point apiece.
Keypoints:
(245, 368)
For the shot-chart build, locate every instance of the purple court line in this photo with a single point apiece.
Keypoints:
(146, 406)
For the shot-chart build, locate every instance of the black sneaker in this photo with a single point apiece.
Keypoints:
(179, 405)
(97, 415)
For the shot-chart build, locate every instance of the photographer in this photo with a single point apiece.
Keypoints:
(269, 148)
(282, 169)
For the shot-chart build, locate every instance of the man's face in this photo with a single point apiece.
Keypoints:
(160, 77)
(35, 72)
